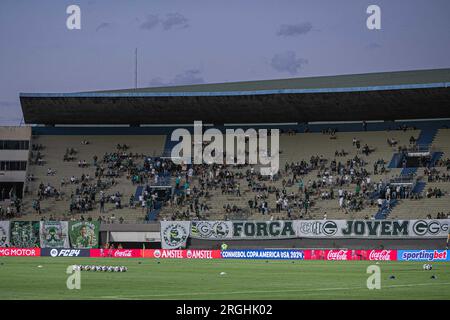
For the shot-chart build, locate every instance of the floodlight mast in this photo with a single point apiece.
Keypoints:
(136, 68)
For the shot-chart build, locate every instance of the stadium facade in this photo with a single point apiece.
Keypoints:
(385, 100)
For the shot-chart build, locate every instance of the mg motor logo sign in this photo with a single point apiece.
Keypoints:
(337, 255)
(20, 252)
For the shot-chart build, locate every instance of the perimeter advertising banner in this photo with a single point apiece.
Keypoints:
(63, 252)
(384, 229)
(346, 254)
(20, 252)
(4, 234)
(182, 254)
(263, 254)
(84, 234)
(54, 234)
(423, 255)
(116, 253)
(24, 234)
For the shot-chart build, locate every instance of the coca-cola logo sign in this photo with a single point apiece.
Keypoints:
(381, 255)
(337, 255)
(123, 253)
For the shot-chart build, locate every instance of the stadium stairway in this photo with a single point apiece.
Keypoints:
(408, 171)
(435, 157)
(153, 214)
(425, 138)
(395, 161)
(139, 190)
(419, 187)
(386, 209)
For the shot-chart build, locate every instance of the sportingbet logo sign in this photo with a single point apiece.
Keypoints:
(423, 255)
(234, 151)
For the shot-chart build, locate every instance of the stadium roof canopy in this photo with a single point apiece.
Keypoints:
(418, 94)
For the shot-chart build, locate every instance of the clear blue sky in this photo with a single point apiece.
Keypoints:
(206, 41)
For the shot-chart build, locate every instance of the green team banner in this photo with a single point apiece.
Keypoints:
(54, 234)
(84, 234)
(284, 229)
(4, 234)
(24, 234)
(242, 229)
(174, 234)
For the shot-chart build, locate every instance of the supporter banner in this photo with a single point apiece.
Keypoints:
(4, 234)
(84, 234)
(174, 234)
(54, 234)
(234, 230)
(24, 234)
(20, 252)
(182, 254)
(345, 254)
(423, 255)
(211, 229)
(116, 253)
(214, 230)
(263, 254)
(372, 228)
(48, 252)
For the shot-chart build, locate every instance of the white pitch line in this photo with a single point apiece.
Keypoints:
(266, 291)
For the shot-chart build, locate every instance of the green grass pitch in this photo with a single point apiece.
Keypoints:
(21, 278)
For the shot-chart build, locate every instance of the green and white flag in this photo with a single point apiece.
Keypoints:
(84, 234)
(174, 234)
(54, 234)
(24, 234)
(4, 233)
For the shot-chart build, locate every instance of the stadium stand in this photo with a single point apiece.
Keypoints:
(358, 162)
(319, 164)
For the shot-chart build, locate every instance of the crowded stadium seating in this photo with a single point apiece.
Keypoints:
(50, 193)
